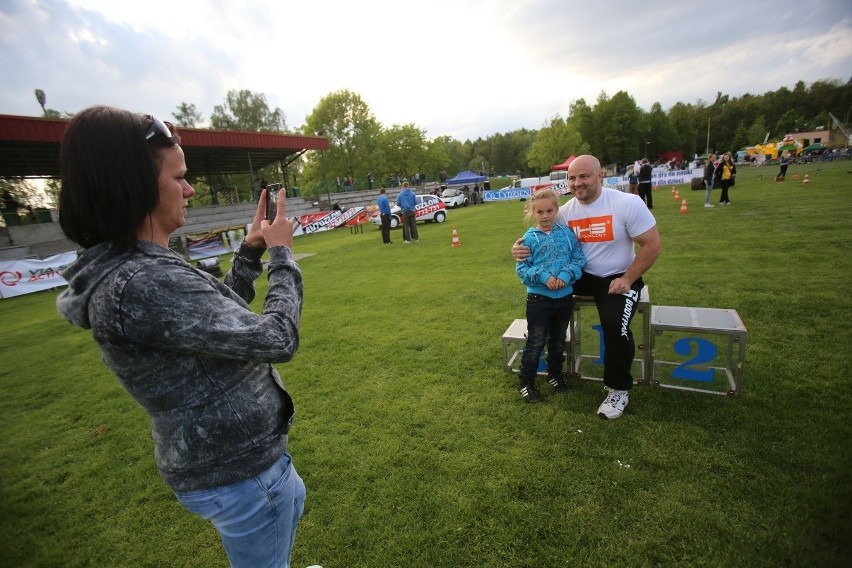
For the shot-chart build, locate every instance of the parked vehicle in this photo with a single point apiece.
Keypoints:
(454, 197)
(428, 208)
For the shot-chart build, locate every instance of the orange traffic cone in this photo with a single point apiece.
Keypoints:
(676, 195)
(807, 179)
(673, 190)
(683, 207)
(456, 241)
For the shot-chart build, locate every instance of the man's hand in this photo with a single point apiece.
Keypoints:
(519, 251)
(619, 286)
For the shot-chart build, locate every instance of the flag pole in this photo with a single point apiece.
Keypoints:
(707, 150)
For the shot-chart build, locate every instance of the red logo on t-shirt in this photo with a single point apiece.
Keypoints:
(593, 229)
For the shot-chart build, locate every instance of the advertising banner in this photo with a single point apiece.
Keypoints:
(659, 177)
(511, 193)
(214, 243)
(25, 276)
(326, 220)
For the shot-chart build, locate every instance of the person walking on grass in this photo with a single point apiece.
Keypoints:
(549, 272)
(726, 173)
(407, 201)
(609, 224)
(783, 164)
(185, 345)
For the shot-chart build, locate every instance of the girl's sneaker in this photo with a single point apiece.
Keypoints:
(529, 391)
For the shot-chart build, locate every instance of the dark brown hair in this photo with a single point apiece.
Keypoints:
(109, 175)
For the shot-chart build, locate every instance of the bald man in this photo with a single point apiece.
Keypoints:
(609, 225)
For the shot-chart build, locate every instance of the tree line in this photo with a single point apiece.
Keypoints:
(614, 128)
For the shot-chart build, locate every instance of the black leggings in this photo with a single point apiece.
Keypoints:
(615, 311)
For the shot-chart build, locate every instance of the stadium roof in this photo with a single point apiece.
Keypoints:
(29, 147)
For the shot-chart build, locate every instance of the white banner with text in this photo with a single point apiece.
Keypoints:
(28, 275)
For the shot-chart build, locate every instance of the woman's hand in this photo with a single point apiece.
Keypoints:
(254, 238)
(263, 234)
(280, 231)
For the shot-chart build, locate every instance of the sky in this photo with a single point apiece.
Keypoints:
(459, 68)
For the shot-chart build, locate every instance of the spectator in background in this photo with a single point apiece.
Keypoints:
(633, 181)
(407, 201)
(645, 188)
(385, 215)
(726, 173)
(783, 163)
(709, 178)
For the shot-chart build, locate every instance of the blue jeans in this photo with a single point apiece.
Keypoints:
(708, 190)
(547, 322)
(256, 518)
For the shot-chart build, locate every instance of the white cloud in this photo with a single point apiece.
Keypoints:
(464, 68)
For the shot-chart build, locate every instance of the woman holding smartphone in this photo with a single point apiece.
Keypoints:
(183, 344)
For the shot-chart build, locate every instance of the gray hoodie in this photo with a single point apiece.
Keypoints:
(190, 351)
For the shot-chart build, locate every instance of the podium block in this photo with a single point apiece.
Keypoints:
(697, 349)
(514, 339)
(587, 345)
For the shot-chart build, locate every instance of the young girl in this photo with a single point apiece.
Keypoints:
(549, 272)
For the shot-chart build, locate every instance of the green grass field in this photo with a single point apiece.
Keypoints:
(415, 445)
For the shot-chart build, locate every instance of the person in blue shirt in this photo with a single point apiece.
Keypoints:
(408, 203)
(549, 274)
(385, 214)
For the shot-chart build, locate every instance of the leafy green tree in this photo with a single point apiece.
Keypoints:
(580, 113)
(446, 154)
(245, 110)
(681, 119)
(187, 116)
(757, 132)
(405, 149)
(553, 143)
(789, 122)
(354, 141)
(478, 164)
(662, 135)
(618, 123)
(821, 119)
(21, 191)
(740, 139)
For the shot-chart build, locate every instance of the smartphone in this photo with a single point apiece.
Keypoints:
(272, 191)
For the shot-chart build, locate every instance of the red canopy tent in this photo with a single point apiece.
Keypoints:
(563, 166)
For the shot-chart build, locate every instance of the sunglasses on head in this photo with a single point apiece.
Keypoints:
(157, 128)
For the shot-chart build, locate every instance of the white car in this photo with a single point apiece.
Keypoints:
(428, 208)
(454, 197)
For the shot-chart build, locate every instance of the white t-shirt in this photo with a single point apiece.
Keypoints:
(606, 229)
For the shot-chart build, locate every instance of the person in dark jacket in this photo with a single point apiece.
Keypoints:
(184, 345)
(726, 173)
(407, 202)
(645, 188)
(709, 178)
(783, 164)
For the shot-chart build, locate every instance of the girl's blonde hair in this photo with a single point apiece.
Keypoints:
(538, 196)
